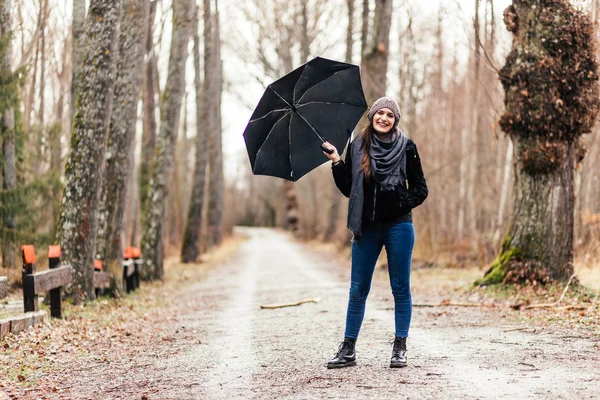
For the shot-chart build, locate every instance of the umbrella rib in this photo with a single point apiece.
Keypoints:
(329, 102)
(267, 114)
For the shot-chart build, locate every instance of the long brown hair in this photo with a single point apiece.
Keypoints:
(366, 134)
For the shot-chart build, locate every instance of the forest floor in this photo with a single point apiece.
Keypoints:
(202, 335)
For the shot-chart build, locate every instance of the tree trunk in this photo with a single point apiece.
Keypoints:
(7, 133)
(111, 220)
(77, 49)
(41, 120)
(154, 217)
(545, 123)
(475, 124)
(375, 61)
(149, 113)
(349, 31)
(215, 152)
(364, 30)
(336, 197)
(542, 221)
(190, 249)
(504, 190)
(85, 163)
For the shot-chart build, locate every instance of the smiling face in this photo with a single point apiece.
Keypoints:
(383, 120)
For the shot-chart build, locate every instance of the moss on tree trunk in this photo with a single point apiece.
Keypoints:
(111, 221)
(85, 163)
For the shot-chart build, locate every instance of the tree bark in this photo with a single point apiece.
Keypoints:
(375, 61)
(336, 197)
(475, 124)
(545, 123)
(41, 120)
(85, 163)
(77, 49)
(149, 113)
(349, 31)
(111, 220)
(364, 30)
(215, 152)
(7, 131)
(190, 249)
(154, 218)
(542, 221)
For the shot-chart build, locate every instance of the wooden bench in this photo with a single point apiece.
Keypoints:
(132, 265)
(51, 280)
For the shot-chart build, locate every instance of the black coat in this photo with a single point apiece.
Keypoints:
(386, 207)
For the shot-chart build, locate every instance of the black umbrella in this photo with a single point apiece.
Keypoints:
(320, 101)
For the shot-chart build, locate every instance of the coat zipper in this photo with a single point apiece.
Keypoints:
(374, 203)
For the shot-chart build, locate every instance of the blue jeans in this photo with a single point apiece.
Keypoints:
(398, 240)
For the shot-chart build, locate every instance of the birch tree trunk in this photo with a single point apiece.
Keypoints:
(111, 220)
(190, 249)
(77, 225)
(375, 58)
(7, 131)
(78, 34)
(215, 151)
(552, 57)
(154, 218)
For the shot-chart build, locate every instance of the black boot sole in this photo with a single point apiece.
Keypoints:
(398, 365)
(348, 364)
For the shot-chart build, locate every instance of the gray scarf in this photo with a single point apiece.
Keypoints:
(388, 164)
(388, 160)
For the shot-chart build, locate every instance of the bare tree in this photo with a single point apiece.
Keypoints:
(154, 218)
(149, 112)
(336, 198)
(190, 250)
(85, 163)
(111, 221)
(215, 150)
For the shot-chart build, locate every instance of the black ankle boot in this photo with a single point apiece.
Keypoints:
(345, 356)
(399, 353)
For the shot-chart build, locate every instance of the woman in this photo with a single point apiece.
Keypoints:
(378, 164)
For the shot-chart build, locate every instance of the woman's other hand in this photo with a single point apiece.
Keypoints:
(335, 156)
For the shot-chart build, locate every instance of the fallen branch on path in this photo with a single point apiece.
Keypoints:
(449, 304)
(271, 306)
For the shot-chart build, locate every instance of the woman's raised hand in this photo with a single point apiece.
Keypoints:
(335, 156)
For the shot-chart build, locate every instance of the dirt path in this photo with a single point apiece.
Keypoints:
(245, 352)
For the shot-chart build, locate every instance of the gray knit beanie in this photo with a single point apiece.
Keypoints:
(385, 102)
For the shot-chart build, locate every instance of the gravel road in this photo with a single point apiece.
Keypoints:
(454, 352)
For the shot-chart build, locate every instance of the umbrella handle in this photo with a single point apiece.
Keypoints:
(325, 149)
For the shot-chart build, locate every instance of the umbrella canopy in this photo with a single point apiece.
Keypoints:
(320, 101)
